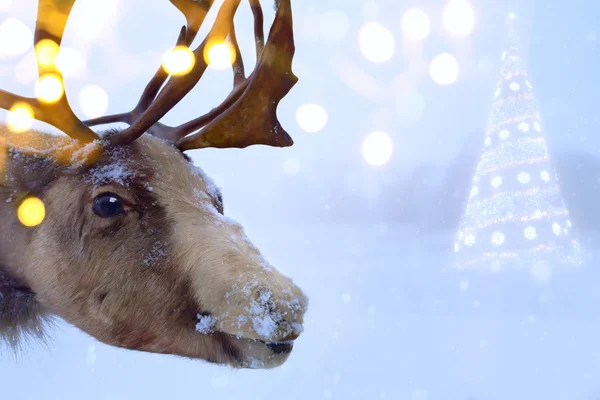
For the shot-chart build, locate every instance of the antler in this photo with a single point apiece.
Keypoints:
(50, 25)
(248, 115)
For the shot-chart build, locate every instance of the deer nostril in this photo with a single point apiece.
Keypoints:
(280, 347)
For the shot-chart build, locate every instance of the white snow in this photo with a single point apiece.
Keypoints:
(205, 324)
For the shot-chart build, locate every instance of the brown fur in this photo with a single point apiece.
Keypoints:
(142, 280)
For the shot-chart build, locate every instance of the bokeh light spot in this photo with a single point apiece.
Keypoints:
(415, 24)
(459, 18)
(311, 118)
(15, 38)
(376, 42)
(377, 148)
(444, 69)
(46, 51)
(93, 101)
(179, 61)
(49, 88)
(31, 212)
(20, 117)
(70, 62)
(220, 56)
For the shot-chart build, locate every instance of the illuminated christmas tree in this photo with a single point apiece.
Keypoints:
(515, 214)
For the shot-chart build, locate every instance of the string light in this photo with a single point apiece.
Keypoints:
(220, 56)
(20, 117)
(179, 61)
(49, 88)
(31, 212)
(46, 51)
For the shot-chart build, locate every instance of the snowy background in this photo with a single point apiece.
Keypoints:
(370, 244)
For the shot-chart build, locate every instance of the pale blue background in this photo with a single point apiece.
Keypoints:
(370, 246)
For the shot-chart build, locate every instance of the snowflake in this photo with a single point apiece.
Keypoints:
(497, 238)
(545, 176)
(488, 141)
(514, 86)
(530, 233)
(524, 126)
(569, 223)
(556, 228)
(456, 247)
(470, 240)
(504, 134)
(529, 85)
(496, 182)
(537, 126)
(524, 177)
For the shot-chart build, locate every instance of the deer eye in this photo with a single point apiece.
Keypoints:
(108, 205)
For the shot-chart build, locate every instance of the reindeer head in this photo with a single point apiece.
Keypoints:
(135, 249)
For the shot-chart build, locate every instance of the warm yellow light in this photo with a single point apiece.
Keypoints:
(220, 56)
(20, 117)
(46, 51)
(31, 212)
(49, 88)
(179, 61)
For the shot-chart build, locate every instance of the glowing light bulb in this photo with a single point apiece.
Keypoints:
(31, 212)
(444, 69)
(311, 117)
(49, 88)
(459, 18)
(179, 61)
(376, 42)
(220, 56)
(377, 148)
(20, 117)
(415, 24)
(46, 51)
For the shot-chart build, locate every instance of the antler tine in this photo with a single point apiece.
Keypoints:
(147, 97)
(259, 34)
(52, 18)
(252, 119)
(179, 86)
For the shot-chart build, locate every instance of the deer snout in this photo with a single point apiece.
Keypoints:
(269, 308)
